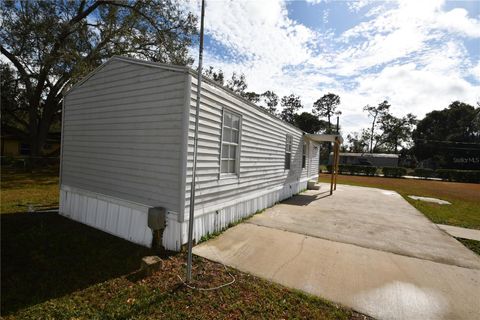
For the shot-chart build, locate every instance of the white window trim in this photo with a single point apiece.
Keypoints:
(291, 149)
(227, 175)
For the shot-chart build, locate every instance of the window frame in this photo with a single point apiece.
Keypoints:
(304, 154)
(288, 138)
(238, 145)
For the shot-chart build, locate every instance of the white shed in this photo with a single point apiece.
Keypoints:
(127, 147)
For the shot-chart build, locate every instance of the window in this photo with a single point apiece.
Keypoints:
(288, 152)
(24, 149)
(230, 142)
(304, 155)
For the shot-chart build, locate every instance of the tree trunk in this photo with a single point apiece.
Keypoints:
(38, 133)
(329, 132)
(371, 134)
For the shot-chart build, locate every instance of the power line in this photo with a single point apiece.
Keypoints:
(447, 141)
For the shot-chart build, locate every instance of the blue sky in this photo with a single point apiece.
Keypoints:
(418, 54)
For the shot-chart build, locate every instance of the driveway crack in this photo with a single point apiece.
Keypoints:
(291, 259)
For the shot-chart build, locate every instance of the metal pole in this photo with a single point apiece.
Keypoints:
(338, 125)
(337, 161)
(334, 165)
(195, 144)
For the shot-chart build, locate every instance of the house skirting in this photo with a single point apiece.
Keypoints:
(124, 219)
(176, 233)
(128, 220)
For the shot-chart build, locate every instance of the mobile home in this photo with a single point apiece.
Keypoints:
(127, 151)
(372, 159)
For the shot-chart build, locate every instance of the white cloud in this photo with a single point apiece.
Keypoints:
(476, 71)
(409, 52)
(457, 21)
(417, 90)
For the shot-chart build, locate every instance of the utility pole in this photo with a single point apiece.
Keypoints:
(195, 145)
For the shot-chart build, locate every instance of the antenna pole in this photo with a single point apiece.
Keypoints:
(195, 145)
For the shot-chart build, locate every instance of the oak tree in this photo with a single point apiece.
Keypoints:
(52, 44)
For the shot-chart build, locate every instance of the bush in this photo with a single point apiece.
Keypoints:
(366, 170)
(423, 172)
(459, 175)
(354, 169)
(394, 172)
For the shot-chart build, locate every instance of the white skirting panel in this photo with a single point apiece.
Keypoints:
(121, 218)
(175, 234)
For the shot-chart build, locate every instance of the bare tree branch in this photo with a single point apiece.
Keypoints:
(19, 67)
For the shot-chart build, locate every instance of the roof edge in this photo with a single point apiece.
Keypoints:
(128, 60)
(242, 99)
(324, 137)
(178, 68)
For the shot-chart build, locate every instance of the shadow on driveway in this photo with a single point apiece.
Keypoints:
(305, 199)
(45, 255)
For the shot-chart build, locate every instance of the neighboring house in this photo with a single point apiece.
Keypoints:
(127, 147)
(13, 146)
(370, 159)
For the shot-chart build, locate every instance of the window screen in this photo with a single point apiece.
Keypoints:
(304, 155)
(230, 138)
(288, 152)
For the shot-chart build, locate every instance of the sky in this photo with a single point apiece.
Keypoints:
(420, 55)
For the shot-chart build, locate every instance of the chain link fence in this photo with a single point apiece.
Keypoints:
(28, 162)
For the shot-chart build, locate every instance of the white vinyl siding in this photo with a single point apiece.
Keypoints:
(122, 134)
(313, 158)
(230, 143)
(262, 144)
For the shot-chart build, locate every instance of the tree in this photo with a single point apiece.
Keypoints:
(450, 137)
(291, 104)
(13, 98)
(375, 112)
(238, 84)
(252, 96)
(309, 122)
(52, 44)
(269, 101)
(358, 142)
(216, 76)
(397, 132)
(326, 107)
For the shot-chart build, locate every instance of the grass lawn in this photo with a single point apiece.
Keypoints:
(465, 197)
(20, 190)
(471, 244)
(55, 268)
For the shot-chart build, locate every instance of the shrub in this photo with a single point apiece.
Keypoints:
(369, 170)
(423, 172)
(356, 169)
(394, 172)
(459, 175)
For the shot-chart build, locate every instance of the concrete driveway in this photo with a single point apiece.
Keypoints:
(362, 247)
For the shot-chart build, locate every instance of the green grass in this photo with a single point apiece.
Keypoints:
(215, 234)
(20, 190)
(464, 210)
(471, 244)
(55, 268)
